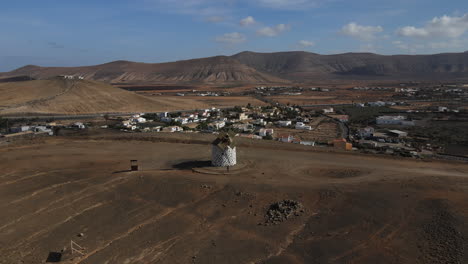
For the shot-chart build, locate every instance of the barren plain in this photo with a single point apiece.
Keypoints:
(357, 208)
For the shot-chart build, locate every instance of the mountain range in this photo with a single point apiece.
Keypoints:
(280, 67)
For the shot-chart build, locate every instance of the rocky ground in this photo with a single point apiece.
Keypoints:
(287, 207)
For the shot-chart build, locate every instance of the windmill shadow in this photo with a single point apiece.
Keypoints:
(187, 165)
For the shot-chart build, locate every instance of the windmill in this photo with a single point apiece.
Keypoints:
(223, 150)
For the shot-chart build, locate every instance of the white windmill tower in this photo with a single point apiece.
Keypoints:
(223, 151)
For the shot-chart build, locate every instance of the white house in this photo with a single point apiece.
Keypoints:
(216, 125)
(172, 129)
(259, 122)
(443, 109)
(265, 132)
(139, 119)
(284, 123)
(244, 127)
(79, 125)
(328, 110)
(243, 116)
(307, 143)
(302, 126)
(43, 129)
(393, 120)
(182, 120)
(286, 138)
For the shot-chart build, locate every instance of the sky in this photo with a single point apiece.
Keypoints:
(88, 32)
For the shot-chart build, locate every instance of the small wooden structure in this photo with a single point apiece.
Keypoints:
(134, 165)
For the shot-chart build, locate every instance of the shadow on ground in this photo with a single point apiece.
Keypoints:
(186, 165)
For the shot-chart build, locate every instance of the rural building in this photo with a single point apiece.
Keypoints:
(265, 132)
(397, 133)
(20, 129)
(43, 129)
(216, 125)
(328, 110)
(302, 126)
(286, 138)
(307, 143)
(79, 125)
(244, 127)
(341, 144)
(393, 120)
(172, 129)
(182, 120)
(68, 77)
(243, 116)
(366, 132)
(284, 123)
(443, 109)
(139, 120)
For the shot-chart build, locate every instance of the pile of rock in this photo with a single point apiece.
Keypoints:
(281, 211)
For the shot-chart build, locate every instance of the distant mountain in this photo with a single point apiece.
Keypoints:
(280, 67)
(220, 69)
(307, 66)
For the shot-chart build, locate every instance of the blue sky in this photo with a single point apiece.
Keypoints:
(86, 32)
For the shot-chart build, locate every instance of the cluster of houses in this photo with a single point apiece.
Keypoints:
(71, 77)
(249, 122)
(44, 129)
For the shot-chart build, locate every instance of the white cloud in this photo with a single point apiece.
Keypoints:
(445, 26)
(231, 38)
(273, 31)
(287, 4)
(306, 43)
(361, 32)
(248, 21)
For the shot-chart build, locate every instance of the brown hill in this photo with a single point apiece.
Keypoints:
(219, 69)
(306, 66)
(60, 96)
(256, 68)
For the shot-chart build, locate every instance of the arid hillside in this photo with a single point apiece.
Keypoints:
(59, 96)
(300, 66)
(260, 68)
(219, 69)
(72, 97)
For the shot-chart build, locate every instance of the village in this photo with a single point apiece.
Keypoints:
(381, 127)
